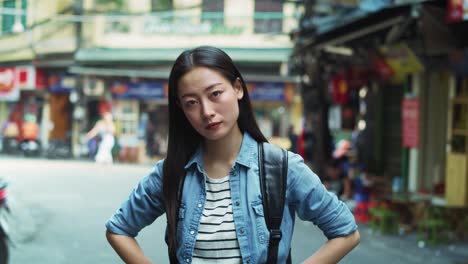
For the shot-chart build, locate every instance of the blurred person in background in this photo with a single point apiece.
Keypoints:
(105, 129)
(334, 179)
(217, 215)
(293, 138)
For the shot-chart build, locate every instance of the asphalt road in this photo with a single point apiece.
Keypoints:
(59, 210)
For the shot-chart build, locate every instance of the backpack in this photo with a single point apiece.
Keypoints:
(273, 172)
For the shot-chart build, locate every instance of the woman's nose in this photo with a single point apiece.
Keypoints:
(208, 110)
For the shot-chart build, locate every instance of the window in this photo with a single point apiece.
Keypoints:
(213, 11)
(8, 19)
(268, 16)
(24, 5)
(459, 116)
(109, 6)
(161, 5)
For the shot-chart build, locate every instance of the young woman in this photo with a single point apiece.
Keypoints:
(217, 217)
(105, 128)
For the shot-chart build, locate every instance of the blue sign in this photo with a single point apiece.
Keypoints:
(61, 83)
(266, 91)
(138, 90)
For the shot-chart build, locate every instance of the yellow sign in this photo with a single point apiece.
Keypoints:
(401, 59)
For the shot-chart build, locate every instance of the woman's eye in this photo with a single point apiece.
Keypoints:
(190, 103)
(216, 93)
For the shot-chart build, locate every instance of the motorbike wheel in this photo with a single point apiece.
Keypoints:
(4, 250)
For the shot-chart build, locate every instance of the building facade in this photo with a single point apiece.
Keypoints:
(387, 72)
(119, 53)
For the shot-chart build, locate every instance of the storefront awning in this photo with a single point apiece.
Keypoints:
(360, 25)
(127, 72)
(100, 71)
(96, 55)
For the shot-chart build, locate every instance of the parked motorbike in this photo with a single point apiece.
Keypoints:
(4, 211)
(30, 148)
(10, 145)
(58, 149)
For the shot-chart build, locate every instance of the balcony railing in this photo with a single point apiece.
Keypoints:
(176, 23)
(169, 29)
(188, 28)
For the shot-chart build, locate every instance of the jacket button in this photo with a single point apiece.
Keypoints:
(242, 231)
(237, 203)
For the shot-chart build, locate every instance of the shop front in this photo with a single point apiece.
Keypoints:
(141, 114)
(274, 104)
(22, 95)
(62, 94)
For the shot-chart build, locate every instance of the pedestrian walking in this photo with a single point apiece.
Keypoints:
(209, 186)
(105, 129)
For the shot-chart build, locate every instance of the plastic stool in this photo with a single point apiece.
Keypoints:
(384, 220)
(361, 212)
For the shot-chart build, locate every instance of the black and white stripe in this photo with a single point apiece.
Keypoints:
(216, 239)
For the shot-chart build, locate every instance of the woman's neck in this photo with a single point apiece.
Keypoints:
(225, 149)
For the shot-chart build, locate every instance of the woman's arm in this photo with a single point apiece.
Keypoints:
(314, 203)
(335, 249)
(93, 132)
(127, 248)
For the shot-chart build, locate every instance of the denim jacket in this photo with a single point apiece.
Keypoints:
(306, 196)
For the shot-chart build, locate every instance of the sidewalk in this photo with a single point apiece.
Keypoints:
(415, 251)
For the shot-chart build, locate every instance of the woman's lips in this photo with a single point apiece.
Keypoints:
(213, 125)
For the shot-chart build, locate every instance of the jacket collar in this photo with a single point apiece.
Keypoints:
(246, 156)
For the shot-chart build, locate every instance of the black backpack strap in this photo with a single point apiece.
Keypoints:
(273, 167)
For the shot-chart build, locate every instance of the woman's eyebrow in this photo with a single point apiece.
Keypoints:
(205, 90)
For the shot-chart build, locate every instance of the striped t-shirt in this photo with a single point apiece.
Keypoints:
(216, 239)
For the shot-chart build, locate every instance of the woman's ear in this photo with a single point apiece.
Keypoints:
(238, 88)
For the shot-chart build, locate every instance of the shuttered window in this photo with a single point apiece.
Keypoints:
(24, 7)
(8, 19)
(266, 12)
(213, 11)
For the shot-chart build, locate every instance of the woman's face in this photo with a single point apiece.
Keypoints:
(210, 102)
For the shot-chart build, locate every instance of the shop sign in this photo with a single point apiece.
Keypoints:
(155, 25)
(93, 87)
(8, 89)
(410, 122)
(61, 83)
(266, 91)
(380, 66)
(401, 59)
(457, 10)
(340, 89)
(138, 90)
(30, 78)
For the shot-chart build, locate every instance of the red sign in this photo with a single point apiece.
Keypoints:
(7, 79)
(410, 122)
(8, 88)
(30, 78)
(340, 89)
(457, 10)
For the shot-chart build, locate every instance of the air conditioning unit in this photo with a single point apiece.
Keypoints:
(93, 86)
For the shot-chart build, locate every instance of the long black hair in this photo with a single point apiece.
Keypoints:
(184, 139)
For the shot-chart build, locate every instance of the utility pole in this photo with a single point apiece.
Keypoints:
(79, 104)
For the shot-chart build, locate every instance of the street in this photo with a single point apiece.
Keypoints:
(61, 208)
